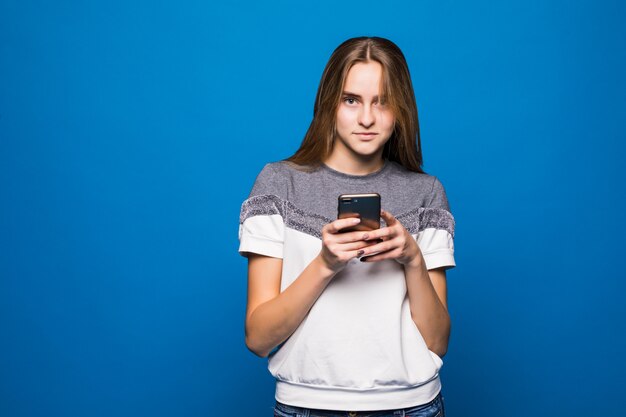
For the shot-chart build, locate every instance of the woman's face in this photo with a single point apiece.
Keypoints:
(364, 121)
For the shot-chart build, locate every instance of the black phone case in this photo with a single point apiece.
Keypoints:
(364, 206)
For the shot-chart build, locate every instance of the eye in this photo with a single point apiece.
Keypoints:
(382, 102)
(349, 100)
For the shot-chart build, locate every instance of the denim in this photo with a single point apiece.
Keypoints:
(433, 408)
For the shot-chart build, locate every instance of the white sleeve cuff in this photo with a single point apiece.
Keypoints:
(443, 258)
(437, 246)
(263, 235)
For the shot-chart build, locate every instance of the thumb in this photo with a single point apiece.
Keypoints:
(389, 219)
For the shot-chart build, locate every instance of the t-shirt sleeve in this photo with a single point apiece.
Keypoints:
(261, 219)
(436, 230)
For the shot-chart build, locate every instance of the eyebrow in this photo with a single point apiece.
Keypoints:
(347, 93)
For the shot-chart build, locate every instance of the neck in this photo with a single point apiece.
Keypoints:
(353, 164)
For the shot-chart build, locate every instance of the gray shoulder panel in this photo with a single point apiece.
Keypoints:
(422, 218)
(294, 218)
(310, 223)
(262, 205)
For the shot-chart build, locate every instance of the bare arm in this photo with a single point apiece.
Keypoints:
(272, 316)
(428, 302)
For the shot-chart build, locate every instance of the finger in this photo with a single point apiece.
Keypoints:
(339, 248)
(347, 247)
(388, 217)
(348, 237)
(383, 233)
(385, 246)
(380, 256)
(338, 225)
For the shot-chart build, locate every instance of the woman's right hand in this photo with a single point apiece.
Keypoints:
(338, 248)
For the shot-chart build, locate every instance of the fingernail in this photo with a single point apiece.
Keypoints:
(360, 253)
(356, 220)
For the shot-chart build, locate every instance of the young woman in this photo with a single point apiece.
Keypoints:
(347, 333)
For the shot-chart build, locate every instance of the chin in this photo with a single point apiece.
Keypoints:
(367, 151)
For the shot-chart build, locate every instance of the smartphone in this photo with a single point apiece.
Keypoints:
(364, 206)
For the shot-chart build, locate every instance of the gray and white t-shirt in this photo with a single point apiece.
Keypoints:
(358, 348)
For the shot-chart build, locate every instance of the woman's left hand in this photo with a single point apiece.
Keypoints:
(397, 243)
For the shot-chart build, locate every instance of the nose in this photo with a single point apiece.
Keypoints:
(366, 116)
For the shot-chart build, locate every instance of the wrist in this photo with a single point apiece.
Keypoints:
(324, 267)
(416, 263)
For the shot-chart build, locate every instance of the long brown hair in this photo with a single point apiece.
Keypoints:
(404, 145)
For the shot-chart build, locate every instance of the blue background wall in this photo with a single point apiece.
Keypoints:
(130, 133)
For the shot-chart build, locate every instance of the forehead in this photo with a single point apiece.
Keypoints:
(364, 78)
